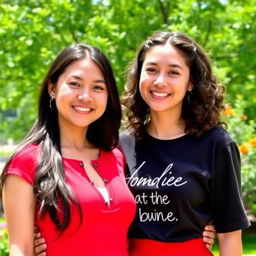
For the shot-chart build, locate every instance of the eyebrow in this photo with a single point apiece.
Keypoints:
(96, 81)
(170, 65)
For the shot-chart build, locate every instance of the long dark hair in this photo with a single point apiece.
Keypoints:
(50, 187)
(201, 109)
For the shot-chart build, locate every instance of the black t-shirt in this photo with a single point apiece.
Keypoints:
(182, 184)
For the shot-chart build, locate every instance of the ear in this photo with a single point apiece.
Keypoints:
(190, 87)
(52, 90)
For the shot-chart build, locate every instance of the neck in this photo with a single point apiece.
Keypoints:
(164, 126)
(76, 138)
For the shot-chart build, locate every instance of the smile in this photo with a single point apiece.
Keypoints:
(82, 109)
(160, 94)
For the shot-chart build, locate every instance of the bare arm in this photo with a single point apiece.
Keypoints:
(230, 243)
(19, 207)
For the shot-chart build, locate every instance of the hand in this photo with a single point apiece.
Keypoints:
(209, 235)
(39, 245)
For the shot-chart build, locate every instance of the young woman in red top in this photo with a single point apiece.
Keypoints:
(67, 177)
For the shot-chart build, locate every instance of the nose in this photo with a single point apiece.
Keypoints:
(160, 80)
(84, 95)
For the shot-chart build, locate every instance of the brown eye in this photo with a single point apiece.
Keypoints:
(151, 70)
(174, 73)
(99, 88)
(74, 84)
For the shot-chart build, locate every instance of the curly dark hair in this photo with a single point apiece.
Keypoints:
(201, 108)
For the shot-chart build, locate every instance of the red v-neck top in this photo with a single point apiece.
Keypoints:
(103, 231)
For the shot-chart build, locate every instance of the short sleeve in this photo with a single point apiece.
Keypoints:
(119, 156)
(24, 163)
(227, 203)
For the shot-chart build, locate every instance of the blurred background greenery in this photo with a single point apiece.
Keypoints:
(32, 33)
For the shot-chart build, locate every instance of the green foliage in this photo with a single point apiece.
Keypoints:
(243, 131)
(4, 246)
(248, 245)
(32, 33)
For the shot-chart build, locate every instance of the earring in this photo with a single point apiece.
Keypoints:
(51, 103)
(189, 96)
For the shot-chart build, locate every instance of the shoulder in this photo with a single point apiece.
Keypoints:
(225, 148)
(113, 156)
(218, 135)
(28, 153)
(125, 136)
(126, 140)
(113, 160)
(118, 153)
(24, 163)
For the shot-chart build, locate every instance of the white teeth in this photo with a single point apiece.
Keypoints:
(82, 109)
(160, 94)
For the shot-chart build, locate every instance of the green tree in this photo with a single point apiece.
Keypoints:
(32, 32)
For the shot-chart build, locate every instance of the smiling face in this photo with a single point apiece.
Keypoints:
(81, 95)
(164, 79)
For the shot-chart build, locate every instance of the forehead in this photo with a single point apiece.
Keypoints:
(84, 67)
(164, 54)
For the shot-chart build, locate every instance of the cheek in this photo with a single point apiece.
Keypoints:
(62, 99)
(141, 89)
(144, 80)
(63, 92)
(143, 92)
(103, 100)
(144, 77)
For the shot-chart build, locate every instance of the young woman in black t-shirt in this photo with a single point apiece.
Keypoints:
(183, 166)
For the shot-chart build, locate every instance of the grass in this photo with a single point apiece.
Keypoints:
(249, 245)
